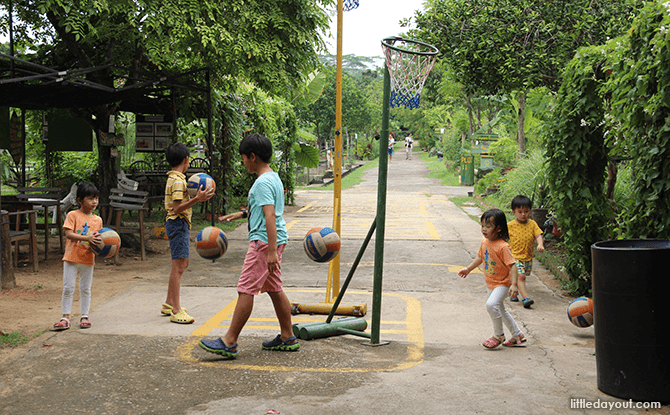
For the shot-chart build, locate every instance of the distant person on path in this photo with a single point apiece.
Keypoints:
(178, 226)
(391, 144)
(81, 229)
(523, 233)
(409, 142)
(268, 237)
(500, 275)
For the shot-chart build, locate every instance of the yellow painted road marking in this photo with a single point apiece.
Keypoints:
(215, 320)
(396, 229)
(432, 231)
(450, 267)
(290, 224)
(305, 207)
(413, 324)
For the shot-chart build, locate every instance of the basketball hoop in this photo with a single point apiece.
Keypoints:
(409, 62)
(349, 5)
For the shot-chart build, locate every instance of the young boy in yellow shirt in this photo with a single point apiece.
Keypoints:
(178, 226)
(523, 233)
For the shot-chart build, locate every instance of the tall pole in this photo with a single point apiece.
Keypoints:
(210, 146)
(333, 289)
(381, 213)
(11, 38)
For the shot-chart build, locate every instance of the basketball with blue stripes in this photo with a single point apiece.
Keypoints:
(199, 181)
(321, 244)
(110, 245)
(580, 312)
(211, 243)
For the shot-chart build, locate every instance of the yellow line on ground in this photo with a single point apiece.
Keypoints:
(215, 320)
(275, 327)
(432, 231)
(450, 267)
(414, 334)
(305, 208)
(290, 224)
(297, 320)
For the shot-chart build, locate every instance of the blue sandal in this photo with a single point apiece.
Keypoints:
(290, 345)
(219, 347)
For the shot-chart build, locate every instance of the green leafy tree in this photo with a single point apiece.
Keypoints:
(271, 43)
(321, 114)
(640, 78)
(612, 104)
(515, 45)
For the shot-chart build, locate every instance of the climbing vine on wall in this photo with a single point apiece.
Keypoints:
(578, 160)
(640, 88)
(613, 102)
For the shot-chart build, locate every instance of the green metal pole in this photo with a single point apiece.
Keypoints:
(381, 213)
(351, 273)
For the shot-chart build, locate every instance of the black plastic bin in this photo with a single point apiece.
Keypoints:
(631, 310)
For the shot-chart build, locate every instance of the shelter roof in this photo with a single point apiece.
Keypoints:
(28, 85)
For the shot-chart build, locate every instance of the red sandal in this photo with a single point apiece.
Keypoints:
(518, 339)
(493, 342)
(63, 324)
(84, 323)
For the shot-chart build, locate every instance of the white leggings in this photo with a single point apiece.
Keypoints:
(70, 271)
(495, 305)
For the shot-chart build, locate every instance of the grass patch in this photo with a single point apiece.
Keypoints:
(553, 259)
(15, 339)
(199, 223)
(466, 201)
(9, 191)
(350, 180)
(438, 170)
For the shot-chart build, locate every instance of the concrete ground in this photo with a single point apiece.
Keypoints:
(133, 361)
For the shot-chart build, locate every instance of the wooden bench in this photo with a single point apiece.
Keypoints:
(49, 199)
(121, 200)
(30, 234)
(19, 234)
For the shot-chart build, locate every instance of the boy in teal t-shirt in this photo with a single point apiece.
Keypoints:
(268, 236)
(267, 190)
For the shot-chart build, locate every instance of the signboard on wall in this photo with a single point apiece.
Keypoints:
(11, 133)
(66, 132)
(15, 139)
(153, 133)
(4, 127)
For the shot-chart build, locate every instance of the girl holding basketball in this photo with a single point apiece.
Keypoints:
(501, 276)
(81, 228)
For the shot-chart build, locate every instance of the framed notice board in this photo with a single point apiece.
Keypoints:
(153, 133)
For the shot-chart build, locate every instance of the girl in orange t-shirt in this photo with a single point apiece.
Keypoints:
(81, 228)
(501, 277)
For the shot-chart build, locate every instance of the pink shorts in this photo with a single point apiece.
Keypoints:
(255, 276)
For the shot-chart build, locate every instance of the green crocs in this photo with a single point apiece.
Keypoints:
(290, 345)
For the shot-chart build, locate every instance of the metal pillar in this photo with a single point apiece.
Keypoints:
(333, 287)
(381, 213)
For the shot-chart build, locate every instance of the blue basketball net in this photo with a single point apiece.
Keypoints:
(405, 98)
(349, 5)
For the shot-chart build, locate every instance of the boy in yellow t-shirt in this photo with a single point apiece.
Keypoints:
(178, 226)
(523, 233)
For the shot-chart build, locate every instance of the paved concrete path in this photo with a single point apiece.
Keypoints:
(133, 361)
